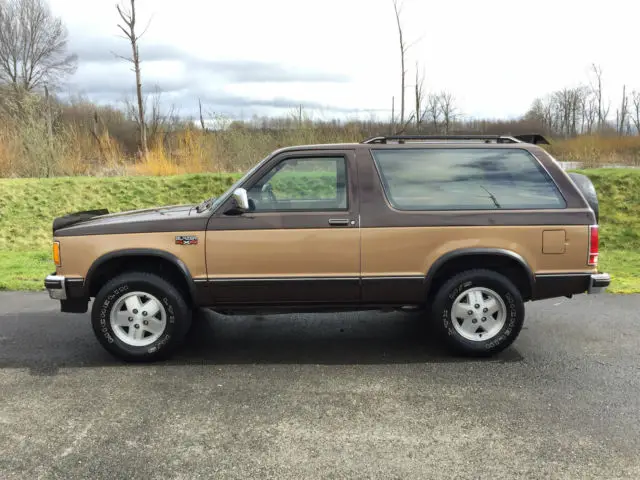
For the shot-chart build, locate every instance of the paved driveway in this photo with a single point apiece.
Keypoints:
(323, 396)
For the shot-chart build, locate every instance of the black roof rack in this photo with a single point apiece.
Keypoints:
(534, 138)
(529, 138)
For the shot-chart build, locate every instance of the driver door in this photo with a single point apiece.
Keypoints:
(299, 243)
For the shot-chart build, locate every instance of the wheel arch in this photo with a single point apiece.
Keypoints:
(508, 262)
(112, 261)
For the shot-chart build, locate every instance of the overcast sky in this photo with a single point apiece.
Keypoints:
(340, 57)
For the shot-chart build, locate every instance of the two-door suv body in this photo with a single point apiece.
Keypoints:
(465, 228)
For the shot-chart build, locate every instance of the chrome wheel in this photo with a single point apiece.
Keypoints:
(138, 319)
(478, 314)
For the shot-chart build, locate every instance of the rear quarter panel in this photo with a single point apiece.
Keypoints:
(411, 251)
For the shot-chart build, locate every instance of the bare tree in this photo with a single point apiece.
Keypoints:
(202, 124)
(128, 17)
(589, 112)
(562, 107)
(623, 113)
(536, 113)
(635, 97)
(156, 120)
(568, 110)
(393, 114)
(33, 45)
(419, 89)
(397, 7)
(603, 111)
(448, 109)
(433, 112)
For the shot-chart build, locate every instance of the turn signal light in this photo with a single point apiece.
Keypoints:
(56, 254)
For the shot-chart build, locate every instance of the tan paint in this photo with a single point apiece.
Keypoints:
(287, 252)
(554, 241)
(412, 250)
(331, 252)
(78, 253)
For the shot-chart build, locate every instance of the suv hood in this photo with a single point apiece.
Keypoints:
(132, 221)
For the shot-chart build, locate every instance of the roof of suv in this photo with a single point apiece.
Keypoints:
(529, 142)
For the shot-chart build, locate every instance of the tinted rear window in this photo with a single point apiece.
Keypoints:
(465, 179)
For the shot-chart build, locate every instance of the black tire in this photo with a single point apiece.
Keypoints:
(501, 285)
(178, 316)
(585, 185)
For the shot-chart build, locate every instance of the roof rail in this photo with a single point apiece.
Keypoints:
(529, 138)
(534, 138)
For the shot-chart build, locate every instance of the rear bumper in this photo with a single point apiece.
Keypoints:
(70, 292)
(598, 283)
(568, 284)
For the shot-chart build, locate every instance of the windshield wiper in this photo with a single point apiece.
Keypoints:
(492, 197)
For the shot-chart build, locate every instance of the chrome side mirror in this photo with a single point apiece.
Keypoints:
(241, 199)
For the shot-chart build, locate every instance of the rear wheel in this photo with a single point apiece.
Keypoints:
(478, 312)
(140, 317)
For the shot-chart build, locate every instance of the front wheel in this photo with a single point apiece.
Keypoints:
(478, 312)
(140, 317)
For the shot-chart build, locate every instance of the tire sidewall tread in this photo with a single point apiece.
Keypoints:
(178, 316)
(446, 295)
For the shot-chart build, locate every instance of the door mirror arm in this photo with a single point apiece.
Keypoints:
(240, 202)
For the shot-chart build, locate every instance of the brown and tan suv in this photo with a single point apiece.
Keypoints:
(465, 228)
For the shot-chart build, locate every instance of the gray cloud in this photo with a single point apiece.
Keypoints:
(186, 98)
(118, 85)
(278, 102)
(234, 71)
(105, 78)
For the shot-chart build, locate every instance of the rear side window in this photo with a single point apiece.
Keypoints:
(465, 179)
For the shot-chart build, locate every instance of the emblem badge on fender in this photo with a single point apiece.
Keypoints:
(186, 240)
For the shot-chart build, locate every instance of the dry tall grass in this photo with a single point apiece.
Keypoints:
(85, 143)
(594, 151)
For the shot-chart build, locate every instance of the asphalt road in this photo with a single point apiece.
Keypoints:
(323, 396)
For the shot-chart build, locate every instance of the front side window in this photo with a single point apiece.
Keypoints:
(299, 184)
(465, 179)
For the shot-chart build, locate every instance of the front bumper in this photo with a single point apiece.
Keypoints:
(56, 285)
(598, 283)
(70, 291)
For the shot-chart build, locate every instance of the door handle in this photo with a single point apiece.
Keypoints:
(339, 222)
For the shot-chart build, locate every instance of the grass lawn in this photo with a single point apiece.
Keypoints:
(24, 270)
(624, 267)
(28, 206)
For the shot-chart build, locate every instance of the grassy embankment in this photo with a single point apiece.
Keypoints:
(27, 207)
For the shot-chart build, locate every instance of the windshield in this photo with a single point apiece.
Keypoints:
(215, 202)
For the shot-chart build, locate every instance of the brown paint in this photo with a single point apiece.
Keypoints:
(180, 218)
(376, 211)
(551, 286)
(285, 291)
(394, 290)
(298, 257)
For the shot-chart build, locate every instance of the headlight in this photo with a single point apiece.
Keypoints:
(56, 254)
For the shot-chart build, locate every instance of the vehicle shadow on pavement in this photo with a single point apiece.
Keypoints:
(319, 338)
(346, 338)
